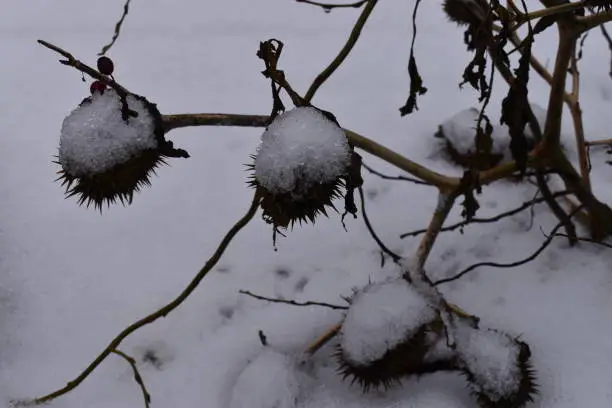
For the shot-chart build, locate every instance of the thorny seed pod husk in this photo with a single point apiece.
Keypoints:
(503, 379)
(303, 164)
(109, 147)
(408, 358)
(389, 332)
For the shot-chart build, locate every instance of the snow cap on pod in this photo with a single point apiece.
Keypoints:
(109, 146)
(497, 367)
(387, 334)
(303, 162)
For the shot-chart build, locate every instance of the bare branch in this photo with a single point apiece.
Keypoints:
(526, 205)
(323, 339)
(162, 312)
(606, 142)
(443, 208)
(73, 62)
(387, 177)
(126, 10)
(292, 302)
(344, 52)
(137, 377)
(366, 219)
(329, 6)
(213, 119)
(606, 35)
(585, 239)
(534, 255)
(592, 21)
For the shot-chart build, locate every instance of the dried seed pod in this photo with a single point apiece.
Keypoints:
(388, 333)
(497, 367)
(304, 163)
(109, 147)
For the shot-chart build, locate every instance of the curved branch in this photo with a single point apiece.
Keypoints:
(137, 376)
(373, 233)
(292, 302)
(344, 52)
(112, 347)
(534, 255)
(359, 141)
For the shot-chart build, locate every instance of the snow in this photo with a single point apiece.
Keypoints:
(299, 149)
(491, 356)
(95, 137)
(460, 131)
(381, 317)
(72, 279)
(278, 388)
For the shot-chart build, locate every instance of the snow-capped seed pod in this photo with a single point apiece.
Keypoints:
(497, 366)
(109, 146)
(458, 134)
(387, 334)
(301, 166)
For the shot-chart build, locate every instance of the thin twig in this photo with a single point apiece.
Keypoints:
(323, 339)
(366, 219)
(606, 142)
(213, 119)
(586, 239)
(75, 63)
(162, 312)
(292, 302)
(608, 38)
(534, 255)
(126, 10)
(328, 6)
(387, 177)
(475, 220)
(137, 376)
(556, 208)
(344, 52)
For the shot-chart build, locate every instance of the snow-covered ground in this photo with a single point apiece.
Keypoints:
(71, 279)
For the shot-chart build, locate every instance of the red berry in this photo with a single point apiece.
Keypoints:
(97, 86)
(105, 66)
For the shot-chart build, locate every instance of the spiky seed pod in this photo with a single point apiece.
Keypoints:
(303, 164)
(506, 382)
(388, 333)
(408, 358)
(109, 147)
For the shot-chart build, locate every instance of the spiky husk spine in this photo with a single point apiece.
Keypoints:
(527, 387)
(124, 179)
(597, 6)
